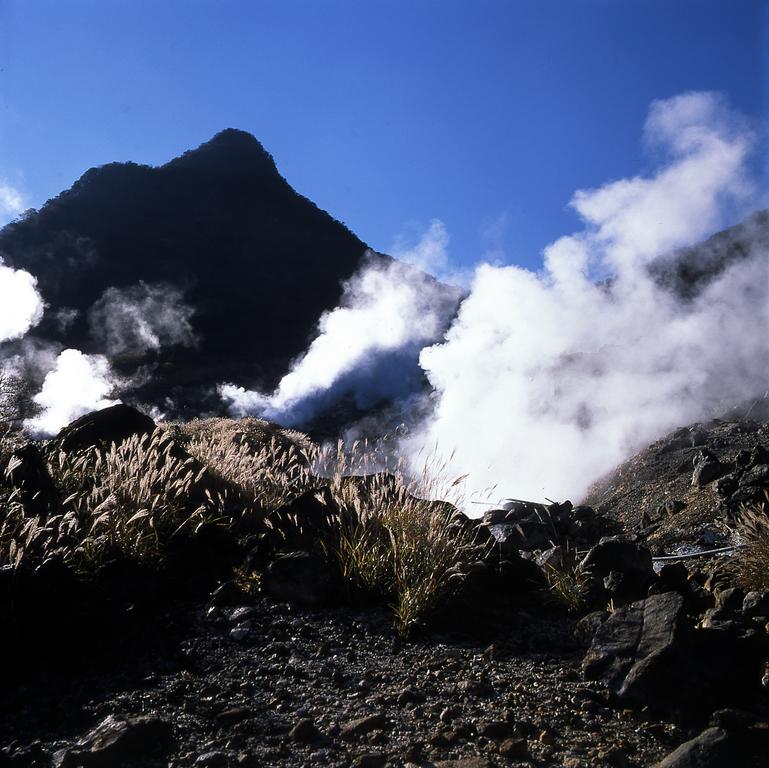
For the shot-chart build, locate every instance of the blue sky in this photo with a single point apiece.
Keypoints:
(486, 115)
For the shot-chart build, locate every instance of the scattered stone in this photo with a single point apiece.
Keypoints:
(464, 762)
(213, 759)
(241, 632)
(410, 696)
(514, 749)
(370, 760)
(305, 731)
(363, 726)
(496, 729)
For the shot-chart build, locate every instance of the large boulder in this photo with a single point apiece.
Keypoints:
(649, 655)
(101, 428)
(305, 523)
(710, 749)
(118, 742)
(617, 569)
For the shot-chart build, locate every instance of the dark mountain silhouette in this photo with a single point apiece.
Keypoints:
(247, 265)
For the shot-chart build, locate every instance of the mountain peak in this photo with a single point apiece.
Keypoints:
(230, 150)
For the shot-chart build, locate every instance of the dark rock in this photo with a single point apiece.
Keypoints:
(370, 760)
(27, 473)
(496, 729)
(227, 594)
(708, 750)
(583, 513)
(727, 485)
(304, 524)
(756, 605)
(708, 470)
(410, 696)
(213, 759)
(463, 762)
(362, 726)
(494, 516)
(587, 626)
(299, 577)
(632, 564)
(674, 576)
(649, 656)
(515, 749)
(758, 475)
(305, 731)
(118, 742)
(730, 599)
(100, 428)
(644, 629)
(234, 715)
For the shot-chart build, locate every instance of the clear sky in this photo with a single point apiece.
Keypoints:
(487, 114)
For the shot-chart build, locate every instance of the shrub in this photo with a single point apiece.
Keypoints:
(752, 561)
(395, 542)
(566, 583)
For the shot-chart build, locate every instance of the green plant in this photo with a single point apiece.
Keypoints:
(567, 585)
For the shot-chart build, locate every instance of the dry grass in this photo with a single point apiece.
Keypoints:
(751, 565)
(126, 500)
(391, 540)
(267, 464)
(567, 584)
(395, 542)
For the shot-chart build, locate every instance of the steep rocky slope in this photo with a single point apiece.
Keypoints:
(209, 268)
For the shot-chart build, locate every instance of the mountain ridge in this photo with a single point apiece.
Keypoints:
(221, 229)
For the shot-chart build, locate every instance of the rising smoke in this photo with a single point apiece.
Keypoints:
(78, 384)
(140, 318)
(367, 348)
(21, 306)
(547, 381)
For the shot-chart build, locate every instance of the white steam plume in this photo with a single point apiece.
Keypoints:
(547, 381)
(20, 304)
(367, 348)
(142, 317)
(78, 384)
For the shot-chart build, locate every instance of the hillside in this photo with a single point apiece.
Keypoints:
(209, 268)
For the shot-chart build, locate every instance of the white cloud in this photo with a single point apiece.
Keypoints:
(77, 385)
(547, 381)
(21, 306)
(367, 347)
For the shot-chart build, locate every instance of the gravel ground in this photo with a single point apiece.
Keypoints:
(268, 685)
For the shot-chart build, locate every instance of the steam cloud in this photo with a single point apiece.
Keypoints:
(547, 381)
(20, 304)
(78, 384)
(367, 348)
(141, 318)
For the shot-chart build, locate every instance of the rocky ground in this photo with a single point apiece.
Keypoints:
(267, 684)
(682, 492)
(657, 666)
